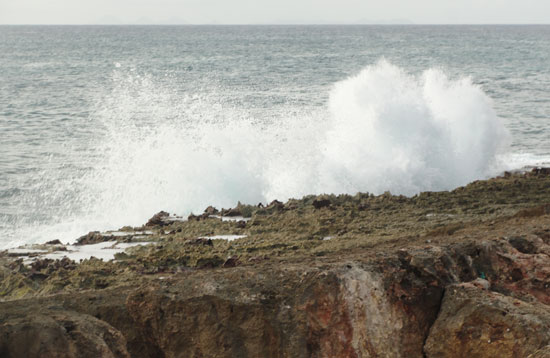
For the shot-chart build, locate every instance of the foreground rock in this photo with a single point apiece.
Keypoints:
(474, 322)
(460, 274)
(52, 333)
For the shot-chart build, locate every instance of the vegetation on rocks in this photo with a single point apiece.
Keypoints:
(321, 276)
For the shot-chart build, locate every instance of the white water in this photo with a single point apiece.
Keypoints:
(382, 130)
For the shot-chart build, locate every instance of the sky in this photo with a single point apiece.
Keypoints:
(274, 11)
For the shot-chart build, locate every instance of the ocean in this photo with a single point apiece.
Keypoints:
(102, 126)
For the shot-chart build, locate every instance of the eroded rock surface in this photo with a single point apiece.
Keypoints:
(480, 323)
(52, 333)
(452, 274)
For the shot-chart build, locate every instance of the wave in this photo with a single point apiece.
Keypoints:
(382, 130)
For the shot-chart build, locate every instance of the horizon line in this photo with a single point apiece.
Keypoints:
(282, 24)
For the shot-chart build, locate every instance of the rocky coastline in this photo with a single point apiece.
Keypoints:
(463, 273)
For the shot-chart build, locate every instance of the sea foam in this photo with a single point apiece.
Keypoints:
(382, 129)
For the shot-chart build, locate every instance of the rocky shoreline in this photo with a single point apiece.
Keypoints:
(464, 273)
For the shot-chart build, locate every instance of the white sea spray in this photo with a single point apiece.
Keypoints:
(382, 130)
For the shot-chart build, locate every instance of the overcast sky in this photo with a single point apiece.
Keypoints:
(274, 11)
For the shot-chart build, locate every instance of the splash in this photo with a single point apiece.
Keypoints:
(403, 133)
(382, 130)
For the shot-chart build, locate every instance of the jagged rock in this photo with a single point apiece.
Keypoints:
(193, 217)
(344, 309)
(54, 242)
(93, 237)
(276, 204)
(17, 266)
(53, 265)
(231, 262)
(480, 323)
(211, 210)
(159, 219)
(210, 262)
(232, 212)
(375, 290)
(319, 203)
(522, 245)
(41, 264)
(541, 171)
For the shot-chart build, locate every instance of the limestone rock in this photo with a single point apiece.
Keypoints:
(478, 323)
(59, 334)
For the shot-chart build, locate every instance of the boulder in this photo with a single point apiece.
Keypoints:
(60, 334)
(93, 237)
(477, 323)
(159, 219)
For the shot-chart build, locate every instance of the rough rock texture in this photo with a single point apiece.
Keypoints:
(159, 219)
(325, 309)
(541, 353)
(51, 333)
(452, 274)
(342, 311)
(479, 323)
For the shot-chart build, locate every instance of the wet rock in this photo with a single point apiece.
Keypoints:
(480, 323)
(159, 219)
(541, 171)
(93, 237)
(54, 242)
(241, 224)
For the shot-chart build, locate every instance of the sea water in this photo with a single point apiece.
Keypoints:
(102, 126)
